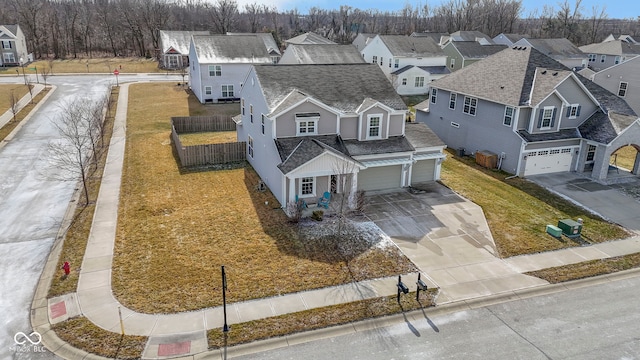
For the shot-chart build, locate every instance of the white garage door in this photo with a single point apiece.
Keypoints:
(422, 171)
(548, 161)
(380, 178)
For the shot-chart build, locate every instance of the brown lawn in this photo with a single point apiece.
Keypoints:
(210, 137)
(626, 157)
(19, 90)
(94, 65)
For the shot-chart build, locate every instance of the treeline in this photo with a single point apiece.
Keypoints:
(92, 28)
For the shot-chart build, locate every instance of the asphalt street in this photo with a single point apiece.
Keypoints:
(599, 322)
(32, 204)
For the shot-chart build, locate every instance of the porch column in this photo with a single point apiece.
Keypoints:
(353, 192)
(636, 165)
(292, 190)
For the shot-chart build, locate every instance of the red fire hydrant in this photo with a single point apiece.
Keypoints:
(67, 268)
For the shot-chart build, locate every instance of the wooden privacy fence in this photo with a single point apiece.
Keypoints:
(206, 154)
(191, 124)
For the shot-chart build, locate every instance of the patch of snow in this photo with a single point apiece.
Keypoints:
(366, 232)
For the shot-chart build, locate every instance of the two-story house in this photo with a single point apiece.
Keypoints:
(623, 80)
(321, 54)
(362, 39)
(535, 114)
(561, 49)
(409, 63)
(340, 128)
(174, 48)
(507, 39)
(610, 52)
(220, 63)
(13, 45)
(464, 53)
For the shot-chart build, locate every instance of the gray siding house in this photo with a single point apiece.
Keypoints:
(609, 53)
(13, 46)
(174, 48)
(535, 114)
(562, 50)
(312, 129)
(464, 53)
(623, 80)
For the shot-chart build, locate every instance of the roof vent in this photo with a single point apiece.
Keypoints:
(502, 87)
(524, 48)
(515, 47)
(555, 73)
(544, 72)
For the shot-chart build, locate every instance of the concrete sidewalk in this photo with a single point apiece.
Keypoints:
(24, 101)
(476, 275)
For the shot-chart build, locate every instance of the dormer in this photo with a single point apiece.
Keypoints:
(377, 121)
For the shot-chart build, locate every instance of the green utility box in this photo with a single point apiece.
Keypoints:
(554, 231)
(570, 227)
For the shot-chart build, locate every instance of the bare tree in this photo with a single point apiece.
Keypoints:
(223, 14)
(598, 17)
(253, 12)
(13, 104)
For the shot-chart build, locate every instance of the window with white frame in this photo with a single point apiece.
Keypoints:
(452, 101)
(227, 91)
(389, 62)
(307, 124)
(547, 117)
(396, 64)
(617, 60)
(573, 111)
(215, 70)
(207, 90)
(251, 113)
(419, 81)
(374, 123)
(591, 153)
(603, 58)
(172, 61)
(592, 57)
(470, 105)
(9, 58)
(434, 95)
(275, 59)
(262, 123)
(242, 103)
(6, 44)
(374, 60)
(622, 88)
(452, 63)
(381, 60)
(509, 111)
(307, 186)
(250, 146)
(404, 81)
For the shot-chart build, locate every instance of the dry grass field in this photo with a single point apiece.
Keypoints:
(19, 90)
(626, 157)
(212, 137)
(94, 65)
(176, 228)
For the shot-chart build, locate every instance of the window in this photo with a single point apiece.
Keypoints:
(215, 70)
(566, 150)
(242, 103)
(374, 60)
(547, 116)
(573, 111)
(275, 59)
(307, 186)
(251, 113)
(404, 81)
(307, 124)
(603, 58)
(9, 58)
(554, 152)
(419, 81)
(250, 146)
(172, 61)
(452, 63)
(262, 123)
(592, 57)
(381, 60)
(389, 62)
(207, 90)
(622, 89)
(227, 91)
(434, 95)
(373, 126)
(470, 105)
(396, 63)
(591, 152)
(617, 60)
(508, 115)
(452, 101)
(6, 44)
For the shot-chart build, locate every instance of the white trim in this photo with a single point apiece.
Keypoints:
(313, 119)
(572, 106)
(306, 99)
(380, 118)
(505, 115)
(314, 180)
(386, 162)
(544, 109)
(419, 157)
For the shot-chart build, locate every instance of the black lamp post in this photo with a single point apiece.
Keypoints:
(23, 74)
(225, 328)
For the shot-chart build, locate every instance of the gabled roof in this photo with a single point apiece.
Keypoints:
(475, 50)
(342, 86)
(421, 136)
(435, 70)
(614, 47)
(268, 39)
(605, 128)
(10, 30)
(218, 49)
(511, 37)
(392, 144)
(296, 151)
(402, 45)
(436, 36)
(309, 38)
(324, 54)
(560, 48)
(545, 81)
(178, 40)
(470, 36)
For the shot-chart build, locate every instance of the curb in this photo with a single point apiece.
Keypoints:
(26, 119)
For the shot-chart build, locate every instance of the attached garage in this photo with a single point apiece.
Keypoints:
(380, 178)
(548, 161)
(423, 171)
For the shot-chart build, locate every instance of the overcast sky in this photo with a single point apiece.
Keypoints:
(615, 9)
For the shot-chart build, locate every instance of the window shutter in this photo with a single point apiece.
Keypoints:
(553, 117)
(569, 111)
(540, 118)
(578, 112)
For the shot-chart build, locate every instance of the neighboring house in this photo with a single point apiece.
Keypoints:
(321, 54)
(174, 47)
(561, 50)
(13, 45)
(220, 63)
(312, 129)
(464, 53)
(623, 37)
(535, 114)
(308, 38)
(609, 53)
(436, 36)
(508, 39)
(269, 43)
(362, 39)
(476, 36)
(396, 54)
(623, 80)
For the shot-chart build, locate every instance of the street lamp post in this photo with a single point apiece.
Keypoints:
(23, 74)
(225, 328)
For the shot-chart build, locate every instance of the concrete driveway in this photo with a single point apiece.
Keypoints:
(448, 239)
(619, 203)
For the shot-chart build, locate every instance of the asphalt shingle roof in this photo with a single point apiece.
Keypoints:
(179, 40)
(470, 36)
(411, 46)
(309, 38)
(557, 48)
(296, 151)
(341, 86)
(563, 134)
(384, 146)
(217, 49)
(421, 136)
(325, 54)
(475, 50)
(615, 47)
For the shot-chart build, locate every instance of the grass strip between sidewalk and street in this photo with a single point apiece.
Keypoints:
(19, 90)
(587, 269)
(8, 127)
(319, 318)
